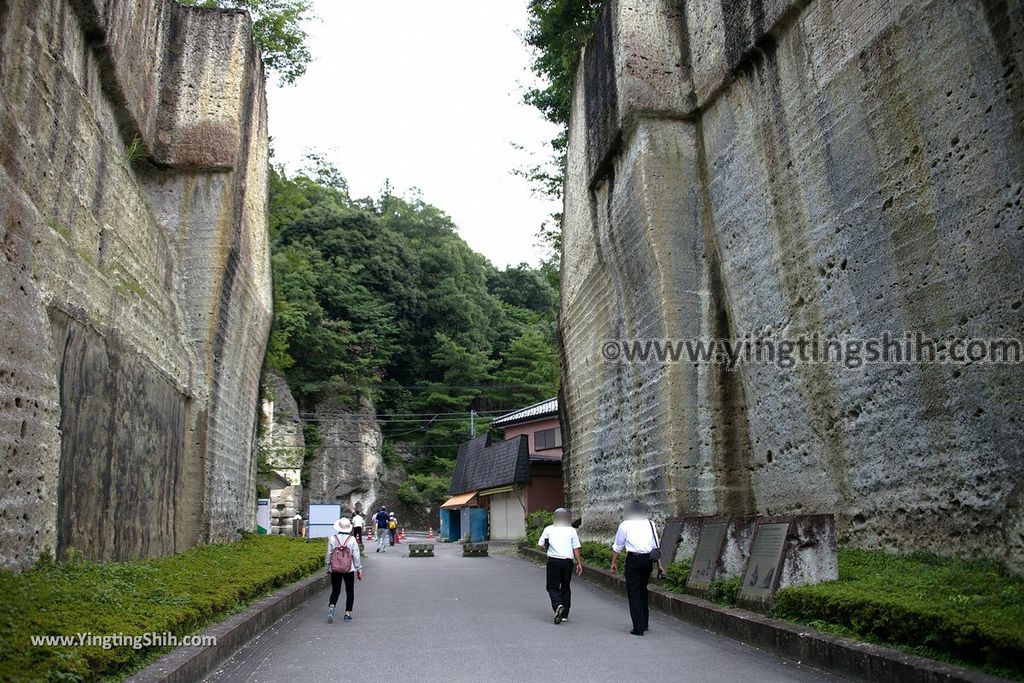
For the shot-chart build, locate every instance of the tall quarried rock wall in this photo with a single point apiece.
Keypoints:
(347, 465)
(136, 299)
(782, 168)
(282, 445)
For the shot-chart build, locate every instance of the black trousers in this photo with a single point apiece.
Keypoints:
(358, 532)
(350, 583)
(559, 576)
(638, 575)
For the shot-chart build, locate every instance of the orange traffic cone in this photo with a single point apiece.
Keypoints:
(401, 535)
(369, 534)
(430, 532)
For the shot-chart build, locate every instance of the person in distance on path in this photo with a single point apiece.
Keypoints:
(392, 528)
(637, 536)
(563, 545)
(357, 528)
(381, 522)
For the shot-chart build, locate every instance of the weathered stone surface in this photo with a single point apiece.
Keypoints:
(421, 550)
(848, 168)
(347, 466)
(137, 298)
(806, 554)
(633, 67)
(474, 549)
(810, 554)
(281, 441)
(282, 447)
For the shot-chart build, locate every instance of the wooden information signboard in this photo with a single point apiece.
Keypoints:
(705, 559)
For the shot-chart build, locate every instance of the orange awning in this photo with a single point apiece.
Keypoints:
(461, 500)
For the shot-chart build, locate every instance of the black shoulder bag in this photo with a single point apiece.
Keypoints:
(655, 554)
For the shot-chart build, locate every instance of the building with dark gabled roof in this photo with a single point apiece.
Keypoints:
(497, 484)
(483, 465)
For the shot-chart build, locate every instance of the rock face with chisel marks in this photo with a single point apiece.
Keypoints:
(782, 168)
(136, 297)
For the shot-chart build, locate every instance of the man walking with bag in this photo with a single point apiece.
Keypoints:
(344, 564)
(638, 537)
(563, 546)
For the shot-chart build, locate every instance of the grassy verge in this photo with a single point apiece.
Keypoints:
(179, 594)
(964, 611)
(968, 612)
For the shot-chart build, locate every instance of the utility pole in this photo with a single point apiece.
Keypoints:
(472, 423)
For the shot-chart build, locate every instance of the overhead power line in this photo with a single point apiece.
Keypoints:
(459, 412)
(431, 387)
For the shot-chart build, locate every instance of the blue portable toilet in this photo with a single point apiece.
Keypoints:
(451, 525)
(477, 525)
(474, 524)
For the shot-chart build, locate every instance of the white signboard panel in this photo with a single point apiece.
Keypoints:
(322, 517)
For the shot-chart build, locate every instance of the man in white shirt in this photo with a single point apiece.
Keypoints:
(357, 527)
(637, 536)
(563, 546)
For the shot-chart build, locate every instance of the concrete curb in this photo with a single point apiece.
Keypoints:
(188, 664)
(842, 656)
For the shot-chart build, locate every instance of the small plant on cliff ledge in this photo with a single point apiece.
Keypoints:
(277, 30)
(134, 151)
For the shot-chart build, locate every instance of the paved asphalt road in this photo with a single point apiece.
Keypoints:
(450, 618)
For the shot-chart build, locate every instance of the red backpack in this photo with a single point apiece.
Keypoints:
(341, 557)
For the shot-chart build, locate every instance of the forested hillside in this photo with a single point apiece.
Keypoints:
(382, 298)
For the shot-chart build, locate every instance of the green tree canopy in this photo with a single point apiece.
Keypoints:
(382, 298)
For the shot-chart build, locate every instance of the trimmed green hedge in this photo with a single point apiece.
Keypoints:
(598, 554)
(179, 593)
(535, 523)
(965, 611)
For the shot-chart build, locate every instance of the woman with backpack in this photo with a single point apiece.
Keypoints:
(344, 565)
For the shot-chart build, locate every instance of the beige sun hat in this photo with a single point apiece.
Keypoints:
(343, 526)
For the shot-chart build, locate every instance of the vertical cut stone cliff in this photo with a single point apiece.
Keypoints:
(787, 167)
(282, 446)
(136, 298)
(347, 465)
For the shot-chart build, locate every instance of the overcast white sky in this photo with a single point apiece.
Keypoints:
(426, 94)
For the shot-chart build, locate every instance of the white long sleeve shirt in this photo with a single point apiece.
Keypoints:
(635, 536)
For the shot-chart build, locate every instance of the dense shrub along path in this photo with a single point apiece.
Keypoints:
(179, 594)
